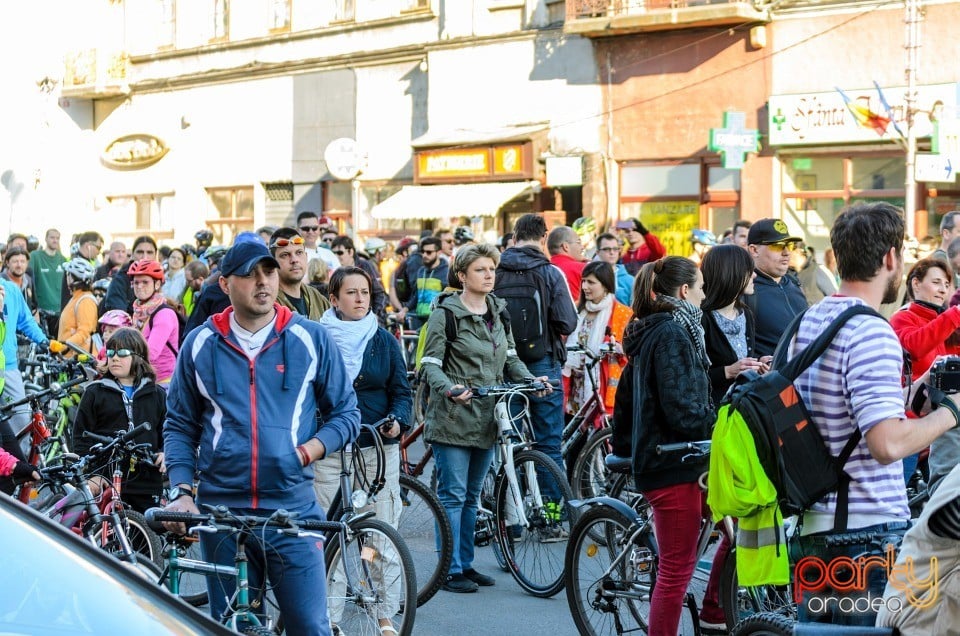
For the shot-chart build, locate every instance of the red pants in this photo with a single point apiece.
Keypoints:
(677, 511)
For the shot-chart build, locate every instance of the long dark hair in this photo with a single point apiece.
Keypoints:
(662, 277)
(603, 272)
(726, 273)
(132, 339)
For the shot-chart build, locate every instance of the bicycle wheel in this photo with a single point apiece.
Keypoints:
(534, 552)
(741, 602)
(193, 586)
(486, 529)
(603, 598)
(142, 539)
(765, 624)
(591, 478)
(425, 528)
(370, 578)
(421, 396)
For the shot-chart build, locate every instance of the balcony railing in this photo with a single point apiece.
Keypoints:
(613, 17)
(96, 73)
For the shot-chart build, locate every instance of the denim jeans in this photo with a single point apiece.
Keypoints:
(546, 419)
(294, 568)
(677, 511)
(824, 605)
(460, 473)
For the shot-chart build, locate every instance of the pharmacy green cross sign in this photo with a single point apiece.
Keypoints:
(734, 140)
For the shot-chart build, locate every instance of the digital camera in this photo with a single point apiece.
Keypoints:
(945, 374)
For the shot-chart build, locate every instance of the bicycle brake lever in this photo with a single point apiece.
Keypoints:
(198, 529)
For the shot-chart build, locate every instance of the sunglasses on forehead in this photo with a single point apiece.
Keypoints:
(284, 242)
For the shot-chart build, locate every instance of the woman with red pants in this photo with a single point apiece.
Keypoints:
(664, 398)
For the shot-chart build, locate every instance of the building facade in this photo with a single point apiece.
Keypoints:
(219, 114)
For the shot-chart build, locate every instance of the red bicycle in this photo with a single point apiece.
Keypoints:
(585, 440)
(37, 430)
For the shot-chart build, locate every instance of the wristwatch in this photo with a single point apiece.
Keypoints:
(179, 491)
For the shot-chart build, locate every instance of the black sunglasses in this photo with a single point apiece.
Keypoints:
(339, 252)
(309, 228)
(120, 353)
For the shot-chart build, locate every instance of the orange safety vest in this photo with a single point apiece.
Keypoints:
(610, 370)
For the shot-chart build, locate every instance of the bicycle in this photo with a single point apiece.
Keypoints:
(37, 431)
(407, 338)
(530, 515)
(102, 519)
(585, 439)
(610, 582)
(240, 614)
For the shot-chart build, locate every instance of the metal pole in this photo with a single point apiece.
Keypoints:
(912, 23)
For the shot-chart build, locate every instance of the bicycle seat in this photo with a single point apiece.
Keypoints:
(822, 629)
(618, 464)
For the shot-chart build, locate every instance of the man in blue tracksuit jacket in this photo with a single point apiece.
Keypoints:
(248, 389)
(17, 317)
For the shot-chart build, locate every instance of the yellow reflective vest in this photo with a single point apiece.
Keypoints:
(739, 487)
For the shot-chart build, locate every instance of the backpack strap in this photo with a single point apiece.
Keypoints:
(843, 487)
(799, 363)
(150, 324)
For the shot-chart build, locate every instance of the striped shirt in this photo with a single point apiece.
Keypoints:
(856, 382)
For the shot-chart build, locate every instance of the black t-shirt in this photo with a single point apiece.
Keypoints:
(299, 304)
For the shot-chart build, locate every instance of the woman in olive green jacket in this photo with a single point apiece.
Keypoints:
(462, 430)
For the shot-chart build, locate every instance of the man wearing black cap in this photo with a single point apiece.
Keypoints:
(251, 385)
(642, 245)
(777, 296)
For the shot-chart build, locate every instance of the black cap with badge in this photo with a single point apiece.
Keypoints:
(768, 231)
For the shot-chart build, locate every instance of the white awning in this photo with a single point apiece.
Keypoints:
(441, 201)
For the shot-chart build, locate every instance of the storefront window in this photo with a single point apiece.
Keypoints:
(670, 200)
(817, 188)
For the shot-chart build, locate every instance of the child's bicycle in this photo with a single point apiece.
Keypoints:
(101, 518)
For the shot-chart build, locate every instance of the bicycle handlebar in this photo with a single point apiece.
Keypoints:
(53, 389)
(220, 518)
(701, 447)
(531, 386)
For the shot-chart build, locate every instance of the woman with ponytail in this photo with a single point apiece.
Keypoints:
(664, 398)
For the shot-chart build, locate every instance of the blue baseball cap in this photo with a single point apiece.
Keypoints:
(243, 257)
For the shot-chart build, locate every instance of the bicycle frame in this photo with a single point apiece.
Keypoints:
(406, 466)
(592, 412)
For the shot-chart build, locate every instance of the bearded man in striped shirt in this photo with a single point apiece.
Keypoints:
(855, 385)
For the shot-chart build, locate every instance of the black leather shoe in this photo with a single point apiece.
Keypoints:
(480, 579)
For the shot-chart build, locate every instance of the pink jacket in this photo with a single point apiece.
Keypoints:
(163, 338)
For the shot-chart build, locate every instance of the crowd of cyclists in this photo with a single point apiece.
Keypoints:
(677, 332)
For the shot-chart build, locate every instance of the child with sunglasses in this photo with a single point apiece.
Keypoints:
(127, 396)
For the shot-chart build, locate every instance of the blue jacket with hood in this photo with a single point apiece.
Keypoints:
(247, 417)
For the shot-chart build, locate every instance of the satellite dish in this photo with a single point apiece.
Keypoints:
(343, 158)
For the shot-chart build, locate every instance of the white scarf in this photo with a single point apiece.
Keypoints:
(598, 331)
(351, 337)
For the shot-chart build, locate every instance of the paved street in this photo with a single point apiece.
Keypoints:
(503, 609)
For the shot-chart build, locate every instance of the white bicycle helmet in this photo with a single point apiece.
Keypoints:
(80, 269)
(374, 245)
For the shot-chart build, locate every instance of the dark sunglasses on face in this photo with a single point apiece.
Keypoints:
(309, 228)
(339, 252)
(120, 353)
(428, 252)
(282, 242)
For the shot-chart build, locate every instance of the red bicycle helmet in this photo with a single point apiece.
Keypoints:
(145, 267)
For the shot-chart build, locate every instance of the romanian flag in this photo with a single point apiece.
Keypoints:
(864, 116)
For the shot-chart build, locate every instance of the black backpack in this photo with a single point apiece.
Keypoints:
(789, 447)
(527, 297)
(181, 326)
